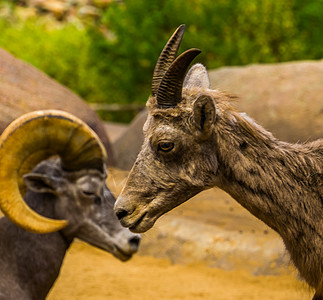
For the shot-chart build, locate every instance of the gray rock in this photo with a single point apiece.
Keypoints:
(128, 145)
(285, 98)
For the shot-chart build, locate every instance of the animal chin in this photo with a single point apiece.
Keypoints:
(120, 254)
(142, 224)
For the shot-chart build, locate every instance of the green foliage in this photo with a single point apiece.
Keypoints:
(309, 23)
(62, 52)
(112, 60)
(228, 32)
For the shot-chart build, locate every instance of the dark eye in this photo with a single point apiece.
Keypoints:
(165, 146)
(88, 193)
(96, 199)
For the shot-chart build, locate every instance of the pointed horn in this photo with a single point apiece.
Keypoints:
(170, 90)
(33, 138)
(166, 58)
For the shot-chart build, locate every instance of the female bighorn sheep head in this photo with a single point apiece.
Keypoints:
(175, 162)
(73, 185)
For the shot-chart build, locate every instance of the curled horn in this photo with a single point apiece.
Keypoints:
(166, 58)
(170, 89)
(32, 138)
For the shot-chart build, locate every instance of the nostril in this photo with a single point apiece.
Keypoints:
(121, 213)
(134, 242)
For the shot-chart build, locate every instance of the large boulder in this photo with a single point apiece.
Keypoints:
(285, 98)
(128, 145)
(24, 88)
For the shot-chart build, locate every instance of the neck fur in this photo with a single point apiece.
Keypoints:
(279, 183)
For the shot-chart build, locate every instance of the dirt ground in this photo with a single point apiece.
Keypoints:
(89, 273)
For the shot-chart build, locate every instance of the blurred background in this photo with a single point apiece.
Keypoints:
(105, 50)
(268, 52)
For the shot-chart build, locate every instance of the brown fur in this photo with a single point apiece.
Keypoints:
(279, 183)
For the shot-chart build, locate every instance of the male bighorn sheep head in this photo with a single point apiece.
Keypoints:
(74, 176)
(180, 122)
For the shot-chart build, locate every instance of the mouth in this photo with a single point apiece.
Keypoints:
(141, 224)
(120, 254)
(136, 223)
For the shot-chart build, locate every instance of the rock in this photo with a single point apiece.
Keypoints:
(24, 88)
(115, 130)
(284, 98)
(128, 145)
(188, 241)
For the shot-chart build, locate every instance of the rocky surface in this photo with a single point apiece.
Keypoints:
(128, 144)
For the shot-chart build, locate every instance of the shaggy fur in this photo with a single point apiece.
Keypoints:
(212, 145)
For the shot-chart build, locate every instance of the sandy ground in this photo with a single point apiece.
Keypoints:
(89, 273)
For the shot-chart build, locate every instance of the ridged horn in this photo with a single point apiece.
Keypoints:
(170, 89)
(166, 57)
(32, 138)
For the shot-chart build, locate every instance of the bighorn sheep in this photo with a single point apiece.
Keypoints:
(195, 140)
(70, 187)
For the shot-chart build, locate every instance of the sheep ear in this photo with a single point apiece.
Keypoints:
(197, 77)
(204, 115)
(40, 183)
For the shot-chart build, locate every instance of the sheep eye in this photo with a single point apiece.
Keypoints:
(96, 199)
(88, 193)
(165, 146)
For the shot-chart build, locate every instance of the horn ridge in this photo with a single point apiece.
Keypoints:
(170, 89)
(166, 58)
(32, 138)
